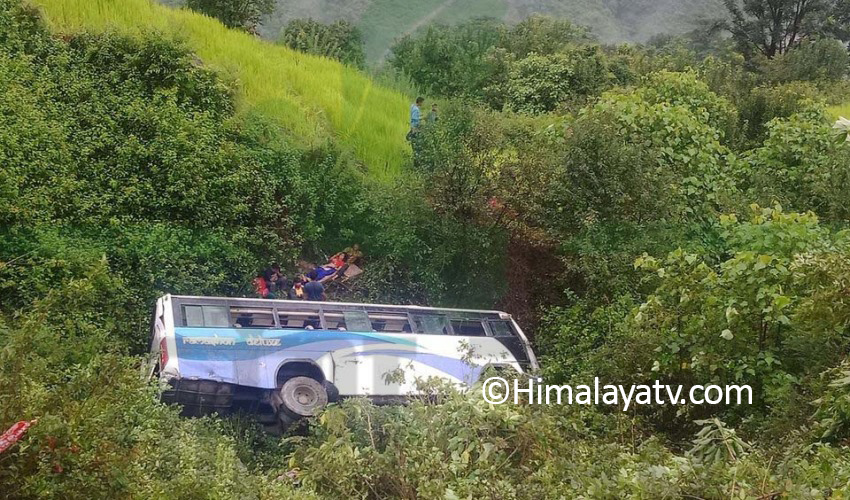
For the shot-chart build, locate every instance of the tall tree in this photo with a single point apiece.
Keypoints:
(773, 27)
(244, 14)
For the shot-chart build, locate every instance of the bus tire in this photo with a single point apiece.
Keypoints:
(333, 392)
(303, 396)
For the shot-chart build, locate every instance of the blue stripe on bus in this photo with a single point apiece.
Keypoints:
(218, 346)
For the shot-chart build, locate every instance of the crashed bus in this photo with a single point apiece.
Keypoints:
(284, 359)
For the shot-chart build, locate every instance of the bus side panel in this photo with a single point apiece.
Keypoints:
(253, 357)
(392, 370)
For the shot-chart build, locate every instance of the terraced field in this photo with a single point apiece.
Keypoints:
(312, 98)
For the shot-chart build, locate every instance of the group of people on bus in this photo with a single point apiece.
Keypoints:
(273, 284)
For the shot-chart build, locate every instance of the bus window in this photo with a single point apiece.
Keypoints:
(468, 328)
(430, 324)
(389, 322)
(252, 317)
(355, 321)
(499, 328)
(206, 316)
(298, 320)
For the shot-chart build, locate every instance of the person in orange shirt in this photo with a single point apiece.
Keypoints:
(339, 260)
(260, 286)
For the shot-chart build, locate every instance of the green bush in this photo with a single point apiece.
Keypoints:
(542, 83)
(672, 124)
(340, 40)
(801, 165)
(744, 321)
(822, 59)
(765, 103)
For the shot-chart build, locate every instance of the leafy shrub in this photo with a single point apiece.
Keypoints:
(823, 59)
(674, 130)
(687, 90)
(739, 322)
(765, 103)
(541, 83)
(340, 40)
(800, 165)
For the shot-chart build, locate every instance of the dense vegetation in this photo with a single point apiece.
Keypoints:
(341, 40)
(312, 98)
(243, 14)
(384, 21)
(542, 64)
(673, 212)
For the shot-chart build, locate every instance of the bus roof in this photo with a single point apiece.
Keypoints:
(303, 303)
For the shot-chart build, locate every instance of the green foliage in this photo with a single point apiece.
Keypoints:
(544, 35)
(687, 90)
(341, 40)
(581, 341)
(243, 14)
(313, 100)
(533, 66)
(824, 59)
(605, 179)
(715, 443)
(463, 448)
(833, 410)
(775, 28)
(672, 121)
(742, 321)
(449, 61)
(840, 111)
(764, 103)
(457, 158)
(801, 165)
(541, 83)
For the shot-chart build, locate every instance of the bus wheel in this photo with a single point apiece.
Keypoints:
(303, 396)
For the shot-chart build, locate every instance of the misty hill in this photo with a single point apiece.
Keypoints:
(382, 21)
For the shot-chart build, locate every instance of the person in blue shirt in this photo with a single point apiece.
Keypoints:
(415, 117)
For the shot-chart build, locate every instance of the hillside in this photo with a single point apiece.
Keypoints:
(382, 21)
(314, 99)
(675, 243)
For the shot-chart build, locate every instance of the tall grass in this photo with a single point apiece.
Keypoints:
(842, 110)
(312, 98)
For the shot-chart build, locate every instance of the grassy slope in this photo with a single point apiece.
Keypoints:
(843, 110)
(312, 98)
